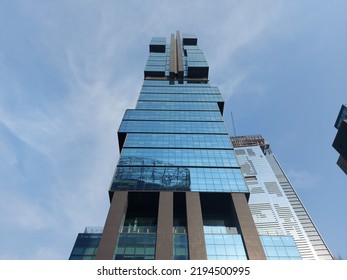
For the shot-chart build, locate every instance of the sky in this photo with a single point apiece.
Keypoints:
(69, 69)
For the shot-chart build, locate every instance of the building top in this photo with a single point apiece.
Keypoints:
(180, 60)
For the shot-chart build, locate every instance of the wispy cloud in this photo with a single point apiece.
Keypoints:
(244, 31)
(75, 137)
(302, 179)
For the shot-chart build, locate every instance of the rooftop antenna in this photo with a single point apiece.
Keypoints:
(232, 119)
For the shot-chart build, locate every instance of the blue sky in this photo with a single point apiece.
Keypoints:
(69, 69)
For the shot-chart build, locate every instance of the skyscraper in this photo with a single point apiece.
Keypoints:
(178, 191)
(275, 206)
(340, 141)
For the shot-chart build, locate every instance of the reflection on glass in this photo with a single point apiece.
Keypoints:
(144, 173)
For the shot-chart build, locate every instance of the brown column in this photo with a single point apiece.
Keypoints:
(164, 246)
(250, 236)
(113, 223)
(196, 239)
(173, 57)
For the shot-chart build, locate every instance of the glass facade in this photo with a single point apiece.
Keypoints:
(172, 140)
(177, 106)
(132, 246)
(280, 248)
(225, 247)
(175, 138)
(140, 115)
(172, 127)
(86, 244)
(180, 246)
(178, 191)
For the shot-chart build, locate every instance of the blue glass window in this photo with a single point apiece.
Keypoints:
(183, 157)
(180, 246)
(154, 68)
(199, 106)
(207, 141)
(173, 115)
(173, 127)
(225, 247)
(180, 97)
(135, 247)
(149, 175)
(280, 247)
(180, 89)
(85, 246)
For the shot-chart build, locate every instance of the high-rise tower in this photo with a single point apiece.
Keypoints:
(275, 206)
(178, 191)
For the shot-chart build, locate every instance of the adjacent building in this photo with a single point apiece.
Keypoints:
(179, 190)
(275, 206)
(340, 141)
